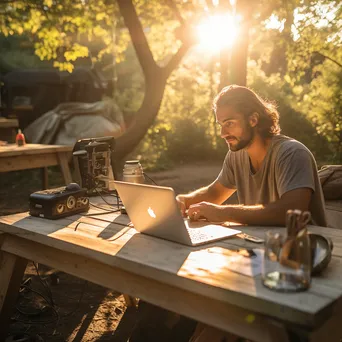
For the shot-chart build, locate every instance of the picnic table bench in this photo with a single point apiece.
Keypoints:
(191, 281)
(334, 213)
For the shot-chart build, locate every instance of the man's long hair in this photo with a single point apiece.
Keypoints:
(247, 102)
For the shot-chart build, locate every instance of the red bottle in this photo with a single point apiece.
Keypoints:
(20, 138)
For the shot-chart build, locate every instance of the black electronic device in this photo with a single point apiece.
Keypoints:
(59, 202)
(94, 163)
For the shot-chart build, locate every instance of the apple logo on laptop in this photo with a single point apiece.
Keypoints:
(151, 212)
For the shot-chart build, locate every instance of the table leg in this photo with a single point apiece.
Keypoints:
(12, 270)
(63, 163)
(45, 178)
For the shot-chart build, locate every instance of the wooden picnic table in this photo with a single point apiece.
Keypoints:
(192, 281)
(31, 156)
(8, 129)
(6, 123)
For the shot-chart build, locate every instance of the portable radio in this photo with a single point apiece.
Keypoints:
(59, 202)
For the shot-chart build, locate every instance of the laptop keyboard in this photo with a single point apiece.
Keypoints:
(205, 231)
(196, 235)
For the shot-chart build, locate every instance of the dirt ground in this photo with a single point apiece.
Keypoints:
(82, 310)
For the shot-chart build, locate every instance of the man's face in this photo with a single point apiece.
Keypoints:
(235, 130)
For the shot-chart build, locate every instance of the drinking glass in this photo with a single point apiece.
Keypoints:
(287, 262)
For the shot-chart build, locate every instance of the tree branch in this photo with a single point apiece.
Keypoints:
(139, 40)
(327, 57)
(176, 58)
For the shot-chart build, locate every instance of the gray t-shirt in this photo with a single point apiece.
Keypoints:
(288, 165)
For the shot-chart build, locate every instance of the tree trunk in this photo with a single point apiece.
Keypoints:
(238, 65)
(224, 68)
(278, 60)
(155, 81)
(143, 118)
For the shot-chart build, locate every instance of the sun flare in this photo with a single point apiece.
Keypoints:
(217, 32)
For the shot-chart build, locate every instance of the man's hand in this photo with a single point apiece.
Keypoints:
(205, 210)
(181, 201)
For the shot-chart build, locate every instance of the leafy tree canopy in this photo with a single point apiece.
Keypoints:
(290, 51)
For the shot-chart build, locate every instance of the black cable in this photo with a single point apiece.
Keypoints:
(97, 214)
(98, 207)
(145, 174)
(78, 223)
(104, 213)
(122, 234)
(25, 282)
(45, 285)
(115, 223)
(35, 321)
(48, 300)
(85, 284)
(98, 192)
(96, 218)
(30, 313)
(108, 193)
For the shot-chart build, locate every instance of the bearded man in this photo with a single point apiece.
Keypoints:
(271, 173)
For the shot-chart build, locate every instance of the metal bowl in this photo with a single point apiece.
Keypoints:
(321, 251)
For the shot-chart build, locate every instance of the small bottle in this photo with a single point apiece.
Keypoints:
(20, 138)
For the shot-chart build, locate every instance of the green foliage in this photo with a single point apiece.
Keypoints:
(315, 71)
(62, 30)
(185, 127)
(322, 102)
(299, 68)
(310, 108)
(294, 121)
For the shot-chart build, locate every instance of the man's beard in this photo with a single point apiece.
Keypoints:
(243, 142)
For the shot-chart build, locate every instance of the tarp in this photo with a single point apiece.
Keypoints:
(71, 121)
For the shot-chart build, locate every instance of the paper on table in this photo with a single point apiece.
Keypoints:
(206, 263)
(249, 266)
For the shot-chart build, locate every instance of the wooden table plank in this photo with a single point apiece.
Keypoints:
(8, 123)
(218, 314)
(32, 149)
(24, 162)
(118, 246)
(31, 156)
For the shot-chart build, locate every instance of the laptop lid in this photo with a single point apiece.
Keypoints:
(153, 210)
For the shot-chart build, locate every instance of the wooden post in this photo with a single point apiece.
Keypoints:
(63, 163)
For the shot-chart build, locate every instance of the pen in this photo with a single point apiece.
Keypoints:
(250, 238)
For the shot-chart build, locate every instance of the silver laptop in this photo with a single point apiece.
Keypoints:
(153, 210)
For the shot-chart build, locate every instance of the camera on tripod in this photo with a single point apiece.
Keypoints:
(94, 164)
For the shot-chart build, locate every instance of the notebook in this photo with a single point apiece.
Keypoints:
(153, 210)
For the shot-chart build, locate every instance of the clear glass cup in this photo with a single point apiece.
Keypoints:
(287, 262)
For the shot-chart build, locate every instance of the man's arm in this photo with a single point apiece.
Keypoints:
(271, 214)
(214, 193)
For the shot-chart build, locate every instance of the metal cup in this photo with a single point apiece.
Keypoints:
(133, 172)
